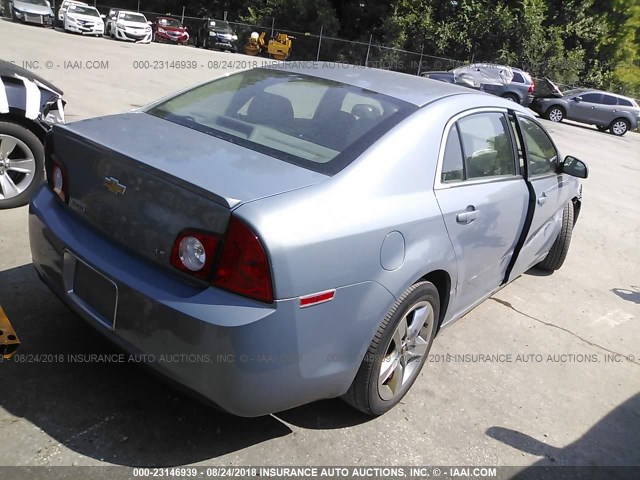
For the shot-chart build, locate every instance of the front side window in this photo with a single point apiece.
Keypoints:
(592, 97)
(610, 100)
(486, 145)
(312, 122)
(543, 156)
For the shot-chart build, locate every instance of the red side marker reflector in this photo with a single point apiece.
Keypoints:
(316, 298)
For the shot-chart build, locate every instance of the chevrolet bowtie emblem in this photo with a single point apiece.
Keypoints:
(114, 186)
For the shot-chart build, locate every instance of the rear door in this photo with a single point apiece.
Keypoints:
(483, 199)
(606, 112)
(548, 187)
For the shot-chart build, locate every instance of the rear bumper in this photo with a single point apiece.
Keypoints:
(527, 100)
(247, 357)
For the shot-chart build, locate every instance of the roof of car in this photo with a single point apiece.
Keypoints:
(409, 88)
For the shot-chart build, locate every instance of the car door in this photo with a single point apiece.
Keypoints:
(606, 112)
(483, 200)
(550, 192)
(585, 110)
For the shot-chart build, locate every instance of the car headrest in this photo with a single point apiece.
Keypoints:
(267, 108)
(363, 110)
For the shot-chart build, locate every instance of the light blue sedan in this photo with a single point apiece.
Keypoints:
(287, 234)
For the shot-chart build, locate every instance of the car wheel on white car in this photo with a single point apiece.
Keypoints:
(21, 164)
(555, 114)
(397, 352)
(619, 127)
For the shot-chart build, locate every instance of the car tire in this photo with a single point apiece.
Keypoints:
(619, 127)
(375, 389)
(511, 97)
(558, 252)
(554, 114)
(28, 146)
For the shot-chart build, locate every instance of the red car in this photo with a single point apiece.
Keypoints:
(170, 30)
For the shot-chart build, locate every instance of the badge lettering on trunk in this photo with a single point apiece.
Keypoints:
(114, 186)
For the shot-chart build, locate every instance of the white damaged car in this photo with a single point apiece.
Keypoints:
(130, 26)
(83, 19)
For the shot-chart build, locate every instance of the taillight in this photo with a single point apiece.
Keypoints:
(532, 87)
(58, 181)
(243, 266)
(194, 251)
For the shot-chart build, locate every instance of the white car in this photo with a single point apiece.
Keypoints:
(83, 19)
(130, 26)
(64, 6)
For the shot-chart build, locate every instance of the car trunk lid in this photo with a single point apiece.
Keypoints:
(141, 179)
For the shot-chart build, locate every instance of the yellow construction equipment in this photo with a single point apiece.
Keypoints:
(278, 47)
(9, 342)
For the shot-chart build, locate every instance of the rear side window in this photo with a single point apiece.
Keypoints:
(610, 100)
(517, 77)
(486, 145)
(452, 164)
(478, 146)
(543, 157)
(624, 102)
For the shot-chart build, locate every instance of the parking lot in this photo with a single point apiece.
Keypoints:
(553, 371)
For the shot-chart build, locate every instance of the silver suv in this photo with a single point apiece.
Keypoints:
(607, 111)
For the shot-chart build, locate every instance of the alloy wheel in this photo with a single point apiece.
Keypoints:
(555, 115)
(619, 127)
(17, 166)
(407, 348)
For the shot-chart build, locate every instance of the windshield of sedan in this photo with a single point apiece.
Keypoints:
(169, 22)
(318, 124)
(133, 17)
(83, 10)
(42, 3)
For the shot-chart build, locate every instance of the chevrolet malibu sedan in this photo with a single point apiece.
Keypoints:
(285, 234)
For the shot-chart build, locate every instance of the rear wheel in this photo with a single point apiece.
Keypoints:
(555, 114)
(619, 127)
(21, 164)
(558, 252)
(511, 97)
(398, 351)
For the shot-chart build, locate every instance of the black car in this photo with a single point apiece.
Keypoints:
(216, 34)
(29, 106)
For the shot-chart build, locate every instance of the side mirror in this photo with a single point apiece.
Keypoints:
(574, 167)
(577, 99)
(103, 16)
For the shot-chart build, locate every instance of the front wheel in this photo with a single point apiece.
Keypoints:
(558, 252)
(397, 352)
(21, 164)
(555, 114)
(619, 127)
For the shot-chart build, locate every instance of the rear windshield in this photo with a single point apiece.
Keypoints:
(311, 122)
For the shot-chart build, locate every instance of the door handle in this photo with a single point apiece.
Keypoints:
(542, 199)
(468, 216)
